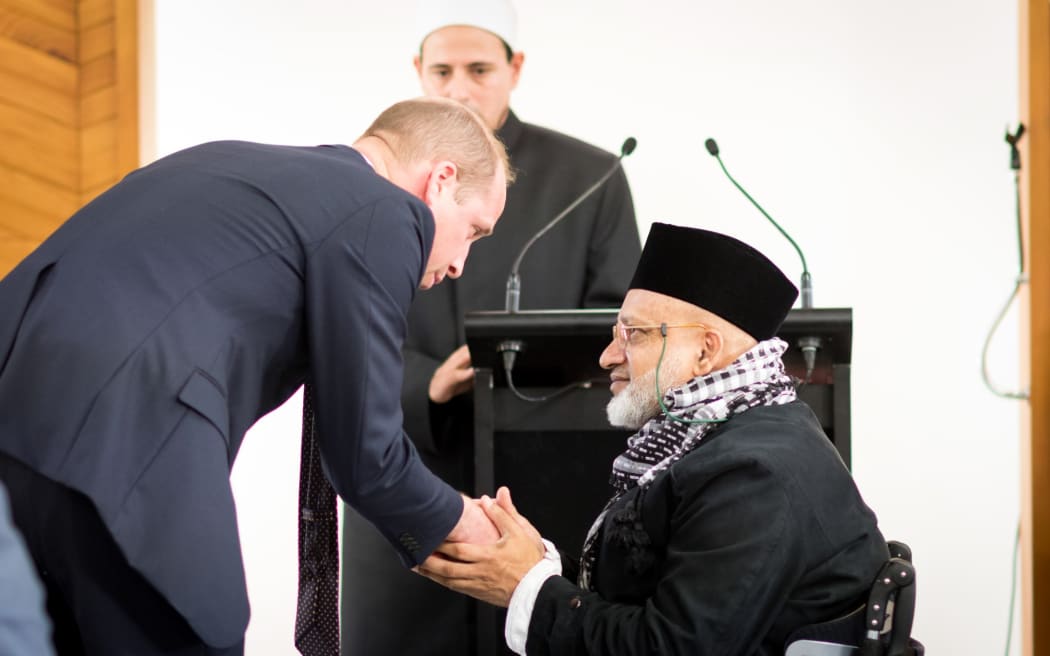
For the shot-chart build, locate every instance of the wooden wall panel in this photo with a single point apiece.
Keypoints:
(97, 155)
(60, 13)
(93, 12)
(99, 73)
(98, 105)
(39, 99)
(31, 227)
(1035, 203)
(27, 190)
(68, 111)
(37, 128)
(97, 41)
(48, 165)
(38, 34)
(37, 66)
(126, 34)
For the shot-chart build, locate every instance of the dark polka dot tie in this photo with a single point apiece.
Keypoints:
(317, 612)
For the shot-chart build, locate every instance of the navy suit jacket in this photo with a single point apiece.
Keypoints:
(141, 341)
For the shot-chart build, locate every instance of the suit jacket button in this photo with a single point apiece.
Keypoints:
(409, 543)
(575, 603)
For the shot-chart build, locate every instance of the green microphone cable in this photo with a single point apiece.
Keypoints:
(1022, 278)
(660, 397)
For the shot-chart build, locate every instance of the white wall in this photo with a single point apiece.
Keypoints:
(872, 131)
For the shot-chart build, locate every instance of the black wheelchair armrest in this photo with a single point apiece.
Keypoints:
(890, 609)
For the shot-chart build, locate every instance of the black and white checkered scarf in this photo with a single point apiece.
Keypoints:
(754, 379)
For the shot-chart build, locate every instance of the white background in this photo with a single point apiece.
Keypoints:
(873, 131)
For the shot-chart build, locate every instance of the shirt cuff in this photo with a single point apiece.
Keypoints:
(519, 612)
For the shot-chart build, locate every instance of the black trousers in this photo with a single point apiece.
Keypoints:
(98, 604)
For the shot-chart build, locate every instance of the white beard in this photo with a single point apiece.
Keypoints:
(637, 403)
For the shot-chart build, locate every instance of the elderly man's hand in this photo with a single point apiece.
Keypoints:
(489, 572)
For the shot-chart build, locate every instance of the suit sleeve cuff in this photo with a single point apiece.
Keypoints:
(519, 612)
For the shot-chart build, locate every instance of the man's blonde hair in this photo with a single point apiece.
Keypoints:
(434, 129)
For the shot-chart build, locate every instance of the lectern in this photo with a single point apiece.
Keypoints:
(556, 455)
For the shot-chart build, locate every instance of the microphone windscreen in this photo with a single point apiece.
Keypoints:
(628, 146)
(712, 147)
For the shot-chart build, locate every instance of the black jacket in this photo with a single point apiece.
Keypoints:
(141, 341)
(756, 532)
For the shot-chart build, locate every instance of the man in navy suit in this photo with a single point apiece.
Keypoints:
(141, 341)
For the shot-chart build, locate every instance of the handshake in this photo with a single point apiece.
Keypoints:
(488, 552)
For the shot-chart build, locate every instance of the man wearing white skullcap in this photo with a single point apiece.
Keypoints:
(469, 50)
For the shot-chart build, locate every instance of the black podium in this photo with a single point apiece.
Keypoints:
(556, 455)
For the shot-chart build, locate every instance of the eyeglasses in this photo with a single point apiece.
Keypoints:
(621, 333)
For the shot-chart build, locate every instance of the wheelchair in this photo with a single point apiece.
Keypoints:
(880, 627)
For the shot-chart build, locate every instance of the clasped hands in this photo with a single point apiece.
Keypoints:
(486, 561)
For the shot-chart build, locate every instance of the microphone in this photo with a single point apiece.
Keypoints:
(808, 345)
(514, 280)
(806, 288)
(1015, 153)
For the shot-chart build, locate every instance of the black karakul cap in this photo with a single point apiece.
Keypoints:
(721, 274)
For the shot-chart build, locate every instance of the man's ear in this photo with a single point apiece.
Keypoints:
(516, 62)
(442, 179)
(711, 346)
(417, 61)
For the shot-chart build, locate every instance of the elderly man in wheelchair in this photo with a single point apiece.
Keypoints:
(733, 521)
